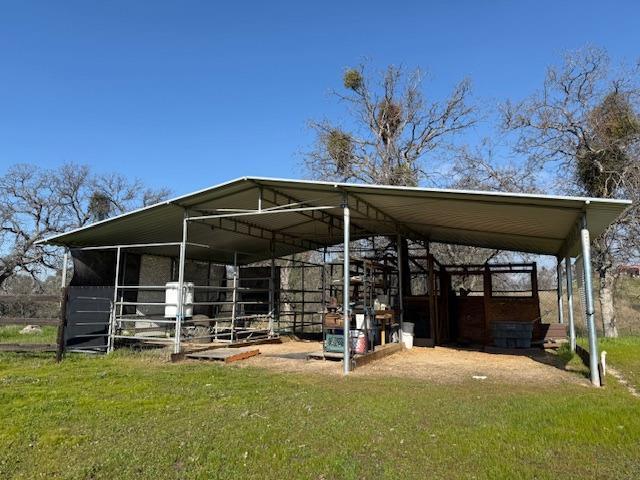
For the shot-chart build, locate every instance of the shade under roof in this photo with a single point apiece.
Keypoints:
(520, 222)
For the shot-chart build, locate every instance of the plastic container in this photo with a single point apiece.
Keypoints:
(407, 334)
(408, 327)
(358, 341)
(171, 296)
(407, 340)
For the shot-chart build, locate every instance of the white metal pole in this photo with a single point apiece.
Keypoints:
(400, 283)
(112, 320)
(180, 307)
(65, 261)
(559, 291)
(234, 295)
(272, 294)
(588, 295)
(345, 289)
(572, 326)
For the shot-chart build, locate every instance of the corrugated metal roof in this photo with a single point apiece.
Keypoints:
(520, 222)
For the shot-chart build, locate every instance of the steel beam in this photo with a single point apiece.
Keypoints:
(333, 221)
(385, 216)
(255, 231)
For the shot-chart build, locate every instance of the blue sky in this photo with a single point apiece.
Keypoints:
(188, 94)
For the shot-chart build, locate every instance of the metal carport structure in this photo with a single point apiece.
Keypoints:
(252, 219)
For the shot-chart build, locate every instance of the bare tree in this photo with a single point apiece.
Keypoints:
(479, 169)
(584, 124)
(394, 128)
(36, 203)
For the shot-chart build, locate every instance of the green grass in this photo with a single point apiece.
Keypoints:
(137, 416)
(624, 354)
(11, 334)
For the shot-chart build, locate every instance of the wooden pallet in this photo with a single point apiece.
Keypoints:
(226, 355)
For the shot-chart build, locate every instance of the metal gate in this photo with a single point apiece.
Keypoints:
(87, 317)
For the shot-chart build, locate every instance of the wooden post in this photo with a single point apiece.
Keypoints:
(62, 325)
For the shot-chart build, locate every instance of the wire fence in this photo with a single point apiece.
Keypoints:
(626, 307)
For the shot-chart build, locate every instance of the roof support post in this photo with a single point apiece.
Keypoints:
(63, 273)
(112, 318)
(400, 281)
(572, 326)
(559, 290)
(180, 310)
(272, 291)
(588, 295)
(234, 295)
(345, 287)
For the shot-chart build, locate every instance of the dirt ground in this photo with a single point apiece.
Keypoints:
(437, 365)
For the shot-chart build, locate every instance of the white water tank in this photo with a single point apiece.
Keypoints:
(171, 296)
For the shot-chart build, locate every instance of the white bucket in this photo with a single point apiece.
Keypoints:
(407, 334)
(407, 327)
(407, 339)
(171, 296)
(360, 321)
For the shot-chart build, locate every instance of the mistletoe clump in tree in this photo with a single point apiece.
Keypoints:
(392, 129)
(584, 124)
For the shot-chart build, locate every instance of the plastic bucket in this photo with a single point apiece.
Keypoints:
(407, 327)
(407, 339)
(358, 341)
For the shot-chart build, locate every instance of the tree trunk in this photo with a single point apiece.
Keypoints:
(5, 273)
(607, 304)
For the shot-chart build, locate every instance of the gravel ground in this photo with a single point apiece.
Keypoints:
(437, 365)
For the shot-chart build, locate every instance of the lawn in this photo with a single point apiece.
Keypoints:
(134, 415)
(624, 354)
(11, 334)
